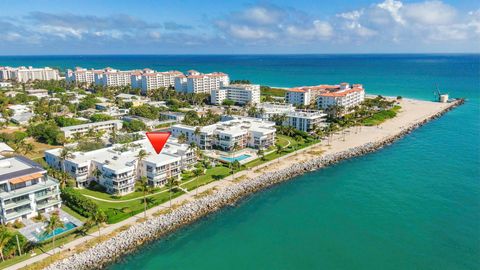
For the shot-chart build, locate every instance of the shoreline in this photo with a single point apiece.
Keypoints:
(109, 251)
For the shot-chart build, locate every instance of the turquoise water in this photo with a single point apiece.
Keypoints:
(45, 236)
(412, 205)
(238, 158)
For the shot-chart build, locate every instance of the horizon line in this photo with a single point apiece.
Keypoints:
(248, 54)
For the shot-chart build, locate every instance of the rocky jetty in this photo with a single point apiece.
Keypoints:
(127, 241)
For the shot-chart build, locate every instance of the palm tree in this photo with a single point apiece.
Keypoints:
(252, 111)
(279, 148)
(98, 218)
(197, 173)
(172, 184)
(146, 189)
(5, 237)
(142, 154)
(182, 138)
(261, 153)
(97, 173)
(192, 146)
(52, 224)
(27, 148)
(65, 154)
(197, 131)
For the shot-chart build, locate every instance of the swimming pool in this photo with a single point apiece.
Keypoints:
(45, 236)
(238, 158)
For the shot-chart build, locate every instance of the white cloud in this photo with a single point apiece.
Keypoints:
(383, 23)
(351, 23)
(261, 15)
(252, 33)
(426, 21)
(429, 13)
(318, 30)
(393, 7)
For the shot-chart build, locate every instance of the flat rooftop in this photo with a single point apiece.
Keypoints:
(88, 125)
(234, 126)
(121, 158)
(18, 166)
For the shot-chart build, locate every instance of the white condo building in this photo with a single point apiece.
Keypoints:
(299, 119)
(155, 80)
(106, 126)
(26, 190)
(26, 74)
(113, 77)
(81, 75)
(306, 95)
(196, 82)
(118, 167)
(236, 131)
(239, 93)
(346, 96)
(306, 121)
(267, 110)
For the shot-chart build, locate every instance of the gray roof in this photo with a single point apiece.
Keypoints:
(19, 166)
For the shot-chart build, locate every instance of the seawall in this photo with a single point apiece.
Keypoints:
(129, 240)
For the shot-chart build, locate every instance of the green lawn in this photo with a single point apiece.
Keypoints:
(283, 140)
(106, 196)
(118, 211)
(211, 175)
(381, 116)
(294, 146)
(278, 92)
(73, 213)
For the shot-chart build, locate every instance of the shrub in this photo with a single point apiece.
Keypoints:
(76, 201)
(63, 121)
(18, 224)
(39, 217)
(134, 125)
(99, 117)
(46, 132)
(96, 187)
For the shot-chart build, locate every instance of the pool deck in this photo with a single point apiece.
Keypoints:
(32, 229)
(223, 156)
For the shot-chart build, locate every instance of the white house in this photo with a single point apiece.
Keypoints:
(118, 167)
(38, 93)
(267, 110)
(233, 132)
(26, 190)
(107, 126)
(305, 120)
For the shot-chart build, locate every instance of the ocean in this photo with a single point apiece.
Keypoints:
(412, 205)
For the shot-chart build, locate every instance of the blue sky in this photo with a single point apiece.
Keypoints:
(238, 27)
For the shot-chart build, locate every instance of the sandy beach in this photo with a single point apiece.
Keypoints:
(367, 139)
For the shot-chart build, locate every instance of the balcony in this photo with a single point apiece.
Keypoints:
(118, 178)
(48, 203)
(16, 214)
(50, 182)
(123, 185)
(14, 204)
(46, 195)
(81, 173)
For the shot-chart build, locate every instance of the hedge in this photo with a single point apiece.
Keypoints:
(79, 203)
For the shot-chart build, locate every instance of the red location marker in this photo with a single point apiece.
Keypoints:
(158, 140)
